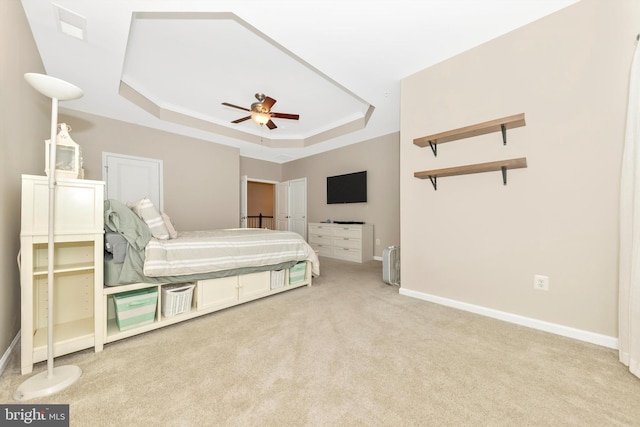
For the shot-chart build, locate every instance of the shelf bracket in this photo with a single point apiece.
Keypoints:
(434, 182)
(504, 175)
(434, 148)
(503, 128)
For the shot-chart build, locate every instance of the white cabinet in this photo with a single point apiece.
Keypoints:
(350, 242)
(227, 291)
(78, 267)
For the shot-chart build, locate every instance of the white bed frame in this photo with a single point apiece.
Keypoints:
(208, 296)
(87, 316)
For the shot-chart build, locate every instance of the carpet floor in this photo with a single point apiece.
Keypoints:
(348, 351)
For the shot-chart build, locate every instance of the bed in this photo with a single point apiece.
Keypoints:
(138, 250)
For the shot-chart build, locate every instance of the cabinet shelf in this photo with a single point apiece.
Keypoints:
(81, 266)
(497, 125)
(501, 165)
(69, 337)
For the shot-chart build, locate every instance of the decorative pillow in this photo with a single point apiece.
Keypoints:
(167, 223)
(145, 209)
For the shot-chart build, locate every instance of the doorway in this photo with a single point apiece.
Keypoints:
(260, 205)
(279, 205)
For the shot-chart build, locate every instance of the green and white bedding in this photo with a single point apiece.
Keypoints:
(196, 252)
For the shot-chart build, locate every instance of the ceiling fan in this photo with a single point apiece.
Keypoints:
(261, 112)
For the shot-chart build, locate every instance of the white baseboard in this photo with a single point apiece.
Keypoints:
(7, 354)
(377, 258)
(554, 328)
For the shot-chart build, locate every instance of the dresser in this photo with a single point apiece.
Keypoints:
(349, 242)
(78, 268)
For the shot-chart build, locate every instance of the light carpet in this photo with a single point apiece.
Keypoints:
(347, 351)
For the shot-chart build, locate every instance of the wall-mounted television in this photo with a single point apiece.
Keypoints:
(348, 188)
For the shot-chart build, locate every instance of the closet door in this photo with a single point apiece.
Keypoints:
(131, 178)
(298, 206)
(282, 206)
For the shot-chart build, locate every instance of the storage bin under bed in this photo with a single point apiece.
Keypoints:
(135, 308)
(297, 273)
(177, 299)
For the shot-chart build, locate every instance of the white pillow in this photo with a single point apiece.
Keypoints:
(167, 222)
(145, 209)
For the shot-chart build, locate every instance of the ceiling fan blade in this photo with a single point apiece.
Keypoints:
(241, 120)
(271, 125)
(268, 103)
(285, 116)
(235, 106)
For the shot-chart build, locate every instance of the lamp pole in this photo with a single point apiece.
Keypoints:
(54, 379)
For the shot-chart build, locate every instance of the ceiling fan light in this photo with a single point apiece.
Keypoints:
(260, 118)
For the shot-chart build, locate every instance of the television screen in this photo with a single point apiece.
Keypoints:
(348, 188)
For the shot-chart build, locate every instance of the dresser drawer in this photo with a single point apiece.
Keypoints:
(348, 254)
(320, 239)
(346, 242)
(320, 229)
(323, 250)
(347, 232)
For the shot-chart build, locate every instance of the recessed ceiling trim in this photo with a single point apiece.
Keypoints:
(188, 120)
(141, 85)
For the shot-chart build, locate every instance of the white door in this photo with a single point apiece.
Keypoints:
(282, 206)
(298, 206)
(130, 178)
(243, 201)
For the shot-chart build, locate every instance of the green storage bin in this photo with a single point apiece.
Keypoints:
(135, 308)
(297, 273)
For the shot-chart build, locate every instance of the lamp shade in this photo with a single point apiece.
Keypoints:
(53, 87)
(260, 118)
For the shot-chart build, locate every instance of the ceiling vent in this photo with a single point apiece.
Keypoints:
(70, 23)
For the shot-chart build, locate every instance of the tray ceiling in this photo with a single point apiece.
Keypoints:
(338, 64)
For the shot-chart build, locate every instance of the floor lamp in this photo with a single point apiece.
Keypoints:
(54, 379)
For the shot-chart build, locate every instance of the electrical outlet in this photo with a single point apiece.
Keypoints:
(540, 282)
(377, 242)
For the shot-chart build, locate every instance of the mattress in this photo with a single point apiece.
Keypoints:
(198, 252)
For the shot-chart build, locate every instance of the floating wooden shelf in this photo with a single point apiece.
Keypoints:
(501, 165)
(474, 130)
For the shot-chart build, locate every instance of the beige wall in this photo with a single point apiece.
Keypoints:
(260, 169)
(476, 241)
(380, 158)
(25, 120)
(197, 174)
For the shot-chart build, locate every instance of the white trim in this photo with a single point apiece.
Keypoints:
(377, 258)
(554, 328)
(264, 181)
(7, 354)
